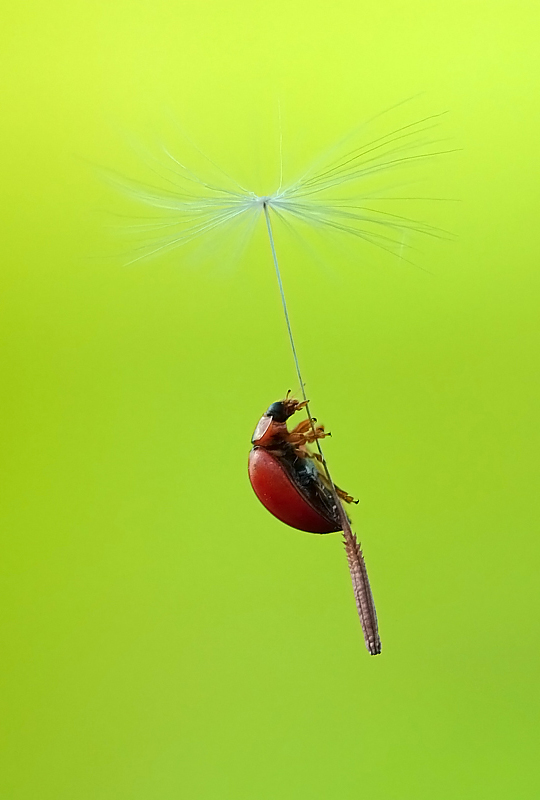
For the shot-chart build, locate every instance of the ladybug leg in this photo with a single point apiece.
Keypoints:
(344, 495)
(318, 433)
(304, 433)
(341, 493)
(302, 427)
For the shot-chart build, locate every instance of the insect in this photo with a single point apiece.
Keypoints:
(294, 484)
(287, 477)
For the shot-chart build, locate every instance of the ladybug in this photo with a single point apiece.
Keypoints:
(287, 477)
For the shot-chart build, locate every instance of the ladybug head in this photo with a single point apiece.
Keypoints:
(279, 411)
(270, 427)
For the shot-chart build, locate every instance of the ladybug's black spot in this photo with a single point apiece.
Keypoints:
(278, 411)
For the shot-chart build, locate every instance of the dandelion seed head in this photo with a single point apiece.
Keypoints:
(344, 194)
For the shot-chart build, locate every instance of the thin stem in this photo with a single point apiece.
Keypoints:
(283, 301)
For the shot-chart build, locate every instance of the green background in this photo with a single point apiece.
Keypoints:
(163, 636)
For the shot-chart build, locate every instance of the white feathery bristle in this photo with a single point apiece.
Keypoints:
(342, 194)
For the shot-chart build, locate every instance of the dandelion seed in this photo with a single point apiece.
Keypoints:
(340, 194)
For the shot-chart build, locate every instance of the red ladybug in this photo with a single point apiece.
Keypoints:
(286, 475)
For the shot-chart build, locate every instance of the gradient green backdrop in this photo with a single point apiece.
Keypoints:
(163, 636)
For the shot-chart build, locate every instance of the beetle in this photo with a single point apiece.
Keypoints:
(287, 477)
